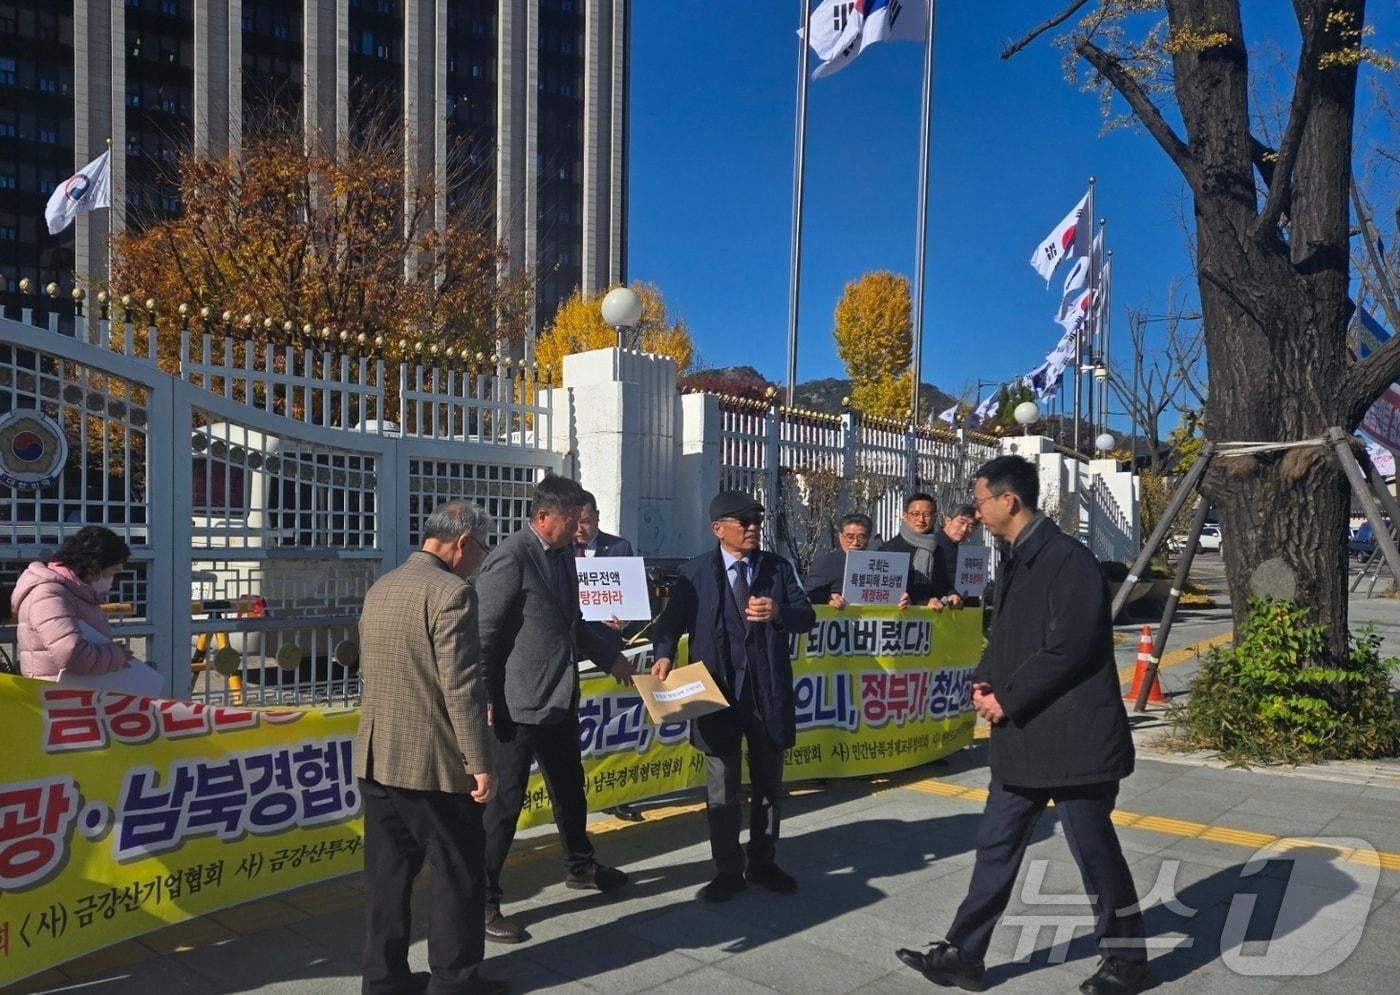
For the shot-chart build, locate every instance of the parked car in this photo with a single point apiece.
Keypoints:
(1210, 539)
(1362, 542)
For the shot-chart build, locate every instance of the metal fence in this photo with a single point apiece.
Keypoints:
(262, 480)
(809, 467)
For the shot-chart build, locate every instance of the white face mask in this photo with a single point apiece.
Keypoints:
(103, 585)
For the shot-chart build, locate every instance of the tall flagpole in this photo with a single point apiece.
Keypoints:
(921, 236)
(1105, 332)
(799, 162)
(1089, 317)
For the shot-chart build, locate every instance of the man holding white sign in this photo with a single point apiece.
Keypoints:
(825, 576)
(739, 604)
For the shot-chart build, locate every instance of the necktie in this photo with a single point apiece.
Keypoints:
(561, 575)
(741, 586)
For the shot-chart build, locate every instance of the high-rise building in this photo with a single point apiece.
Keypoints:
(532, 92)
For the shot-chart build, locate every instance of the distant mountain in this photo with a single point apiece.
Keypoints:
(819, 395)
(826, 395)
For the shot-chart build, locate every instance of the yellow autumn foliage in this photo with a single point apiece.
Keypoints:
(578, 326)
(874, 340)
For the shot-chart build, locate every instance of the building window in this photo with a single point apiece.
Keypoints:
(133, 100)
(565, 215)
(280, 31)
(7, 129)
(250, 26)
(7, 70)
(170, 7)
(169, 204)
(478, 27)
(7, 181)
(47, 184)
(48, 134)
(476, 70)
(367, 42)
(384, 6)
(8, 233)
(566, 89)
(47, 84)
(8, 24)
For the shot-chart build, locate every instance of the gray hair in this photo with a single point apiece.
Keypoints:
(453, 519)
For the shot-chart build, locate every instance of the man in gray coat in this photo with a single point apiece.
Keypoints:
(1048, 684)
(531, 633)
(423, 759)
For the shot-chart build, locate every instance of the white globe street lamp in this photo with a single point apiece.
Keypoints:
(622, 308)
(1026, 414)
(1105, 442)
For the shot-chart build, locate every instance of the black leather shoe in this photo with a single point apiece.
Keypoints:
(1118, 977)
(772, 877)
(499, 929)
(625, 812)
(943, 965)
(722, 888)
(597, 878)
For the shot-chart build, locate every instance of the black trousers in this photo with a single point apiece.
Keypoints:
(555, 747)
(723, 775)
(1002, 836)
(402, 828)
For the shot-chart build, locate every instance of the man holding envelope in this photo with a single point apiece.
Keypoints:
(739, 604)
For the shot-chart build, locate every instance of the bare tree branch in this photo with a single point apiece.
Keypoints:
(1132, 91)
(1040, 29)
(1281, 179)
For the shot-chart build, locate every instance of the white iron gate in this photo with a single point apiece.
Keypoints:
(262, 490)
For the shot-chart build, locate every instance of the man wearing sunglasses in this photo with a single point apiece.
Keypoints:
(739, 604)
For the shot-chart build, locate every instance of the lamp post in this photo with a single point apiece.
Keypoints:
(1026, 414)
(622, 309)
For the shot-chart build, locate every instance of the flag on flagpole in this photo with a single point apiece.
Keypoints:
(986, 409)
(86, 189)
(1065, 240)
(950, 416)
(842, 29)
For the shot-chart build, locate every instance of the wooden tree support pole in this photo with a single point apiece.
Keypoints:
(1183, 570)
(1178, 501)
(1342, 447)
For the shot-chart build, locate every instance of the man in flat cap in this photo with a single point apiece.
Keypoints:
(739, 605)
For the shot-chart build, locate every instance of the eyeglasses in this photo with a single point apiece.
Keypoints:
(856, 536)
(922, 516)
(745, 521)
(479, 544)
(976, 502)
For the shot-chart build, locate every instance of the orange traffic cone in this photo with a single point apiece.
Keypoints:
(1144, 659)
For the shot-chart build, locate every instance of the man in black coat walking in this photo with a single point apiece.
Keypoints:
(1048, 684)
(739, 605)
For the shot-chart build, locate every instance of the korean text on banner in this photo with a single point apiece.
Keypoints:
(876, 690)
(613, 586)
(129, 813)
(972, 570)
(874, 578)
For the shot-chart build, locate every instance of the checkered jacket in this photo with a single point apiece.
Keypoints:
(423, 711)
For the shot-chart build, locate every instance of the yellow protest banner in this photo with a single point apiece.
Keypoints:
(876, 690)
(121, 814)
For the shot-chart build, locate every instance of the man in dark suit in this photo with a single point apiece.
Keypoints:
(927, 582)
(826, 576)
(423, 757)
(957, 526)
(590, 541)
(1048, 684)
(531, 633)
(739, 605)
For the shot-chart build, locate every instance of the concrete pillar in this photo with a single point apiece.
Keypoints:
(625, 422)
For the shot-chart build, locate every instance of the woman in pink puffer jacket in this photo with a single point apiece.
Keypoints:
(50, 600)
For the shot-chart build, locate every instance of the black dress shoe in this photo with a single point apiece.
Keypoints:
(597, 878)
(943, 965)
(772, 877)
(1118, 977)
(499, 929)
(625, 812)
(722, 888)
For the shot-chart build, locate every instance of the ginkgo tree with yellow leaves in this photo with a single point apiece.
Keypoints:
(874, 339)
(578, 326)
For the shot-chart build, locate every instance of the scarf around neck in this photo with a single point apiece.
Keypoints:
(921, 562)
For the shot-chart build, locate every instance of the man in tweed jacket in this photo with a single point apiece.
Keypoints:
(422, 755)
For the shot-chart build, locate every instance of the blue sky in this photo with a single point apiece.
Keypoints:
(1012, 146)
